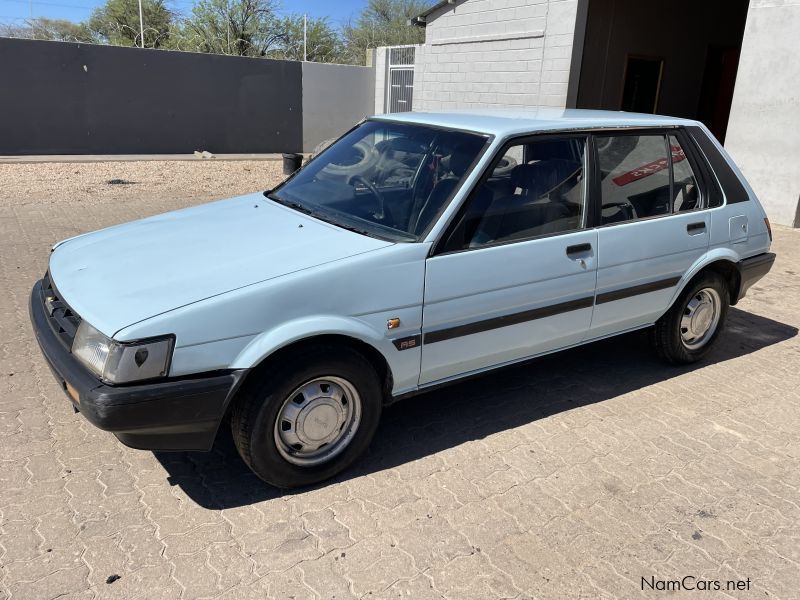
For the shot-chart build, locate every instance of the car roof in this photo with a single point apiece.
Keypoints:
(507, 122)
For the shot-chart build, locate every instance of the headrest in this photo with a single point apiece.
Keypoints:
(400, 144)
(543, 175)
(549, 150)
(459, 162)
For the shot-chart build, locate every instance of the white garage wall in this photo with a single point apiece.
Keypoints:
(496, 53)
(765, 116)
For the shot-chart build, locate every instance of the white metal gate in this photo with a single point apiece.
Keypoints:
(400, 79)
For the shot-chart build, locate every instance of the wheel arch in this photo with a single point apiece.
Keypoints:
(722, 261)
(275, 345)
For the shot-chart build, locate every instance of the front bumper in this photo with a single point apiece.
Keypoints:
(179, 414)
(752, 269)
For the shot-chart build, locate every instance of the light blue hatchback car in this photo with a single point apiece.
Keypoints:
(416, 250)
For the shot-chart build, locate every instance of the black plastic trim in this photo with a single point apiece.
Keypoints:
(177, 414)
(695, 226)
(578, 248)
(752, 269)
(636, 290)
(450, 333)
(407, 343)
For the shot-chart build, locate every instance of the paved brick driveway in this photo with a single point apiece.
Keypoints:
(571, 478)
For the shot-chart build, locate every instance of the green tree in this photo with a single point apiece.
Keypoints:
(322, 42)
(14, 31)
(383, 23)
(117, 23)
(58, 30)
(238, 27)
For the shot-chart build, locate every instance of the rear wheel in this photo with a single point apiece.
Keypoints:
(689, 329)
(308, 417)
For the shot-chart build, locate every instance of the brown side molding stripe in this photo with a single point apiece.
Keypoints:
(537, 313)
(653, 286)
(514, 319)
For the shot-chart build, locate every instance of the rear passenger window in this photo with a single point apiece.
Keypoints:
(536, 188)
(634, 172)
(686, 193)
(640, 179)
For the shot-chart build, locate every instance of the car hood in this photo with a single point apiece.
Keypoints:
(119, 276)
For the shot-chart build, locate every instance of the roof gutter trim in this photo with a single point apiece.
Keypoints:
(421, 20)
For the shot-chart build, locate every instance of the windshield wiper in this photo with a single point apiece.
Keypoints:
(355, 229)
(295, 205)
(312, 213)
(322, 217)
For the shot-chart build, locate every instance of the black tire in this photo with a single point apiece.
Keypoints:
(666, 335)
(259, 402)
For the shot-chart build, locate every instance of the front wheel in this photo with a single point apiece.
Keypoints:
(308, 417)
(689, 329)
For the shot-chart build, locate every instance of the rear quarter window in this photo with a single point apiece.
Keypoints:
(728, 179)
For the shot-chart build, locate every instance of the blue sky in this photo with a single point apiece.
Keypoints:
(16, 11)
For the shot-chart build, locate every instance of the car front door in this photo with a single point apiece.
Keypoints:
(654, 225)
(514, 274)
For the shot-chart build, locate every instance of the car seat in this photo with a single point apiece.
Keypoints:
(536, 210)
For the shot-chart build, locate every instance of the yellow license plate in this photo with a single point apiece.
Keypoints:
(72, 393)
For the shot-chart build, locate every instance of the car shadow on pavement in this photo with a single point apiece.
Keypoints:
(478, 407)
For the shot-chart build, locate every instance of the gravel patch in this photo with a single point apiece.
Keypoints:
(175, 183)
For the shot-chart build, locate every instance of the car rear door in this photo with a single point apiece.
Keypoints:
(654, 224)
(514, 275)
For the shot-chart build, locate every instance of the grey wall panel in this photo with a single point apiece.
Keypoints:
(765, 116)
(64, 98)
(335, 97)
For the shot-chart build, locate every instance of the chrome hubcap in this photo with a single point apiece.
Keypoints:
(700, 318)
(317, 421)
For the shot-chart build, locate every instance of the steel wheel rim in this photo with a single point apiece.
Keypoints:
(700, 318)
(317, 421)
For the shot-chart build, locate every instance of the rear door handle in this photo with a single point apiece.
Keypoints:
(578, 249)
(696, 227)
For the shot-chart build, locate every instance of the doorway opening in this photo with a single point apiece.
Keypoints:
(676, 57)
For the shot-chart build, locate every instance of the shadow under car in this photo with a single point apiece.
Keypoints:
(478, 407)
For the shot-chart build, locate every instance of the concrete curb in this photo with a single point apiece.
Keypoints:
(95, 158)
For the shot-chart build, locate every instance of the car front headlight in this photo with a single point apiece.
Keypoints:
(122, 362)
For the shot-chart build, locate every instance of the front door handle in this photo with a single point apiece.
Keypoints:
(692, 228)
(578, 249)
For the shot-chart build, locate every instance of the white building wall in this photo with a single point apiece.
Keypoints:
(380, 80)
(762, 130)
(496, 53)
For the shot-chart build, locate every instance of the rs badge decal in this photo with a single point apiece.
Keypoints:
(407, 343)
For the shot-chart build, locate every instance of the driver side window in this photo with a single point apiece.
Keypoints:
(537, 188)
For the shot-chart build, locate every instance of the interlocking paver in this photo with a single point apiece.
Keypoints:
(573, 477)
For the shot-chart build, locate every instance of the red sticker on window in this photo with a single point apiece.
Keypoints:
(649, 168)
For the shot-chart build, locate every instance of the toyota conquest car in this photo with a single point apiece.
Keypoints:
(416, 250)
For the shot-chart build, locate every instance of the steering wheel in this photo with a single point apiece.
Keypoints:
(380, 214)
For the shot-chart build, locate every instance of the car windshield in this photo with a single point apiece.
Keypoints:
(388, 180)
